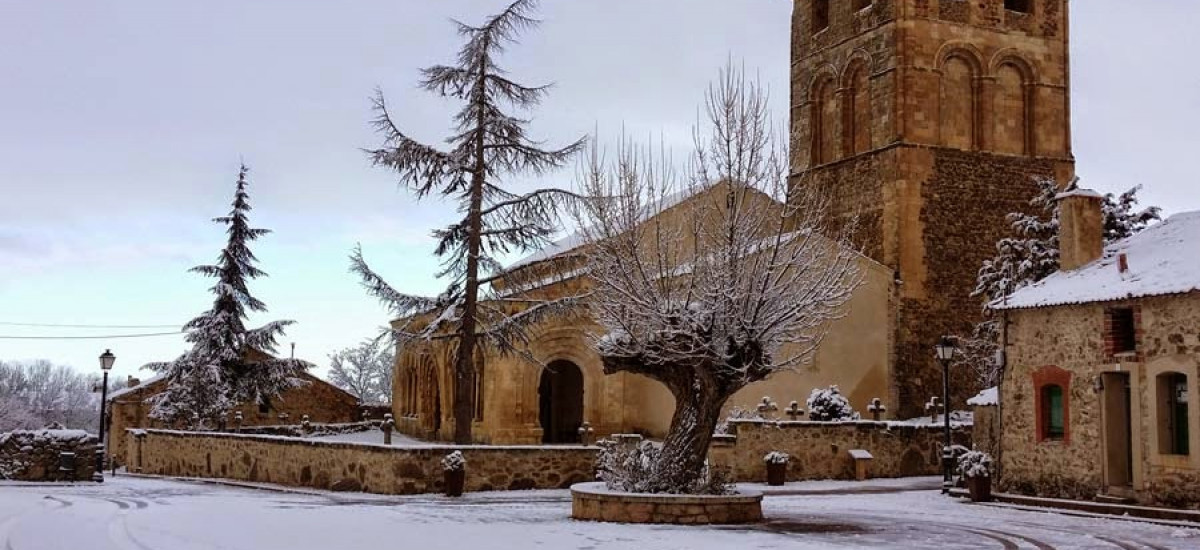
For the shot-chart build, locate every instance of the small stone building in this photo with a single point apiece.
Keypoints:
(321, 401)
(1102, 361)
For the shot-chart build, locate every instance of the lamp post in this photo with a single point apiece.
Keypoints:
(945, 349)
(106, 363)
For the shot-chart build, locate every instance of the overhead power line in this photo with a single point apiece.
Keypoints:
(56, 325)
(105, 337)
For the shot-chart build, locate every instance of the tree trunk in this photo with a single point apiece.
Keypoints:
(685, 449)
(464, 406)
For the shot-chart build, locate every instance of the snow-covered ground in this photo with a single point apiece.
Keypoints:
(139, 514)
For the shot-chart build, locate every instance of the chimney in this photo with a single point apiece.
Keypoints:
(1080, 228)
(132, 382)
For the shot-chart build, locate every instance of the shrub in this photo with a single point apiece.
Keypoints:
(829, 405)
(975, 464)
(454, 462)
(776, 457)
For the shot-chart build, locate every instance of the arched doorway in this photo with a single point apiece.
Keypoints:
(560, 402)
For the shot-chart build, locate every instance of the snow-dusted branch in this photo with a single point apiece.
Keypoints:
(714, 281)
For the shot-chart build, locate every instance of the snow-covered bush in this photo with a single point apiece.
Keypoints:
(975, 464)
(454, 462)
(829, 405)
(635, 468)
(776, 457)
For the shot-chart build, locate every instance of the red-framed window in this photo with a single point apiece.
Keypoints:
(1052, 404)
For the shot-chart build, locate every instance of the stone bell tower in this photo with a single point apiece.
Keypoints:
(928, 121)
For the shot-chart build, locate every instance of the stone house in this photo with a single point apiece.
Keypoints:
(323, 403)
(1102, 359)
(927, 121)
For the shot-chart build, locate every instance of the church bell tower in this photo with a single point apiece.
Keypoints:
(929, 121)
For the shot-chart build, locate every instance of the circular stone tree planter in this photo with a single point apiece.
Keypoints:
(595, 502)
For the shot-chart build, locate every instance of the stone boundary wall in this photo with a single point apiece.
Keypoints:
(353, 466)
(34, 455)
(821, 450)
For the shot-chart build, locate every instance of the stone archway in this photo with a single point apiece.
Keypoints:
(560, 402)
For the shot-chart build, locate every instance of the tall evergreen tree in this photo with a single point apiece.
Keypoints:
(1032, 254)
(488, 145)
(228, 363)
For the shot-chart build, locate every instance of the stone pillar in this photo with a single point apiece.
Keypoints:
(1081, 228)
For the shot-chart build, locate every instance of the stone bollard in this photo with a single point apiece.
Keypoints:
(876, 408)
(305, 425)
(586, 432)
(237, 421)
(387, 426)
(794, 411)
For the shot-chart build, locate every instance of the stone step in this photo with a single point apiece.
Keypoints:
(1114, 499)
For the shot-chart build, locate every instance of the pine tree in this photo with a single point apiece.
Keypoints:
(1032, 254)
(488, 145)
(223, 367)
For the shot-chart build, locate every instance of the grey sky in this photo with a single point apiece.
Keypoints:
(122, 124)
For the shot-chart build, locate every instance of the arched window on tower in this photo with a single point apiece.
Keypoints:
(857, 125)
(820, 15)
(825, 145)
(1010, 112)
(1023, 6)
(958, 104)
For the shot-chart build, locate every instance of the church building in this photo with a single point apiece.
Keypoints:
(927, 121)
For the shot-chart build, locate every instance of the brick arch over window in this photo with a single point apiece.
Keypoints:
(959, 105)
(824, 117)
(856, 108)
(1012, 105)
(1045, 380)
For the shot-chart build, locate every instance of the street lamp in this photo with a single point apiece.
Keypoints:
(945, 349)
(106, 363)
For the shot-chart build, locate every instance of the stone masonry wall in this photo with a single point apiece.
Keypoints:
(820, 450)
(357, 467)
(320, 400)
(1069, 341)
(34, 455)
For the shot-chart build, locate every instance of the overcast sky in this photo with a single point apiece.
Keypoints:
(122, 124)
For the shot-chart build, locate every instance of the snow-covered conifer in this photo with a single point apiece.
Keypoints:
(1032, 254)
(711, 294)
(489, 145)
(227, 363)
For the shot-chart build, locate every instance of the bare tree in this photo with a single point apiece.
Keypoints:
(364, 370)
(489, 145)
(36, 393)
(715, 287)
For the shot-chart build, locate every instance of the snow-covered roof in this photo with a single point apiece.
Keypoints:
(141, 385)
(577, 239)
(1163, 259)
(986, 398)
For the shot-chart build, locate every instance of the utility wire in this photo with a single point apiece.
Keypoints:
(148, 335)
(54, 325)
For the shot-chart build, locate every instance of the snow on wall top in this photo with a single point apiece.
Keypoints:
(1163, 259)
(986, 398)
